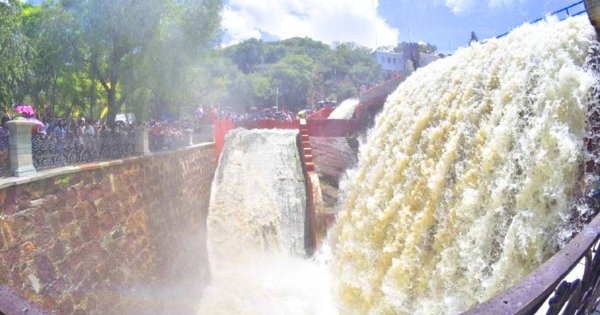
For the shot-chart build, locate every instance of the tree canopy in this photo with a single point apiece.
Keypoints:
(159, 58)
(136, 55)
(298, 72)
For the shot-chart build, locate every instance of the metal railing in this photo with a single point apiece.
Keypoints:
(574, 9)
(555, 286)
(160, 142)
(4, 157)
(54, 151)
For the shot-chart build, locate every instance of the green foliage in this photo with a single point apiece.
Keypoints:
(12, 52)
(158, 57)
(423, 47)
(63, 182)
(77, 56)
(298, 72)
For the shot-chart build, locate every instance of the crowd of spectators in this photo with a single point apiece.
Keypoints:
(84, 129)
(252, 114)
(4, 133)
(80, 127)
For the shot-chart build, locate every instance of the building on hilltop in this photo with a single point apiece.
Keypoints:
(402, 63)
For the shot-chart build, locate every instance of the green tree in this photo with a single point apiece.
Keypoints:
(247, 54)
(290, 71)
(292, 80)
(55, 74)
(126, 42)
(115, 32)
(189, 34)
(427, 48)
(12, 52)
(344, 70)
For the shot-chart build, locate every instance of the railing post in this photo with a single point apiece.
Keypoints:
(188, 134)
(142, 142)
(593, 10)
(19, 148)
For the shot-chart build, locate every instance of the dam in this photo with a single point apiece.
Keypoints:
(475, 190)
(471, 177)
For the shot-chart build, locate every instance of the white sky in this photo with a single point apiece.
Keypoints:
(325, 20)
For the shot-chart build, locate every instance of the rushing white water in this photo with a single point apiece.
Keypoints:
(256, 227)
(469, 177)
(345, 110)
(258, 199)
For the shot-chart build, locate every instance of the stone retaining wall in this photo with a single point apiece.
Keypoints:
(119, 237)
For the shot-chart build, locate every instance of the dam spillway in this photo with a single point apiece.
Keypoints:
(470, 177)
(258, 200)
(257, 231)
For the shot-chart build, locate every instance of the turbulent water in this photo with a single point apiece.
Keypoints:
(345, 110)
(258, 200)
(256, 227)
(467, 181)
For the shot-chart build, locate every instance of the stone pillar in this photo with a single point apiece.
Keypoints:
(21, 156)
(188, 134)
(142, 146)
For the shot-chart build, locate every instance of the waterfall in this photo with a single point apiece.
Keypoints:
(256, 231)
(469, 178)
(345, 110)
(258, 200)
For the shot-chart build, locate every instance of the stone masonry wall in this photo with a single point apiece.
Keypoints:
(124, 237)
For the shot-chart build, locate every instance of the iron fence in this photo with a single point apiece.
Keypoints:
(164, 142)
(55, 151)
(569, 283)
(580, 295)
(574, 9)
(4, 157)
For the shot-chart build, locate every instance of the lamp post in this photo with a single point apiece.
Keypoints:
(277, 97)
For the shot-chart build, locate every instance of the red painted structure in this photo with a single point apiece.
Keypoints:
(309, 169)
(317, 124)
(377, 95)
(270, 124)
(332, 127)
(323, 113)
(221, 129)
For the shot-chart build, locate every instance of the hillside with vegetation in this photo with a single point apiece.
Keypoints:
(102, 57)
(157, 58)
(293, 73)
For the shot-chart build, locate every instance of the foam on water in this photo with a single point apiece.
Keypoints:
(345, 110)
(256, 235)
(258, 199)
(469, 177)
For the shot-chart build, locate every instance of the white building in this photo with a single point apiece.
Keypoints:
(425, 59)
(403, 63)
(389, 61)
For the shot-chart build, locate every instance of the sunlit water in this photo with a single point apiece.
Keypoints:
(468, 180)
(345, 110)
(256, 230)
(465, 184)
